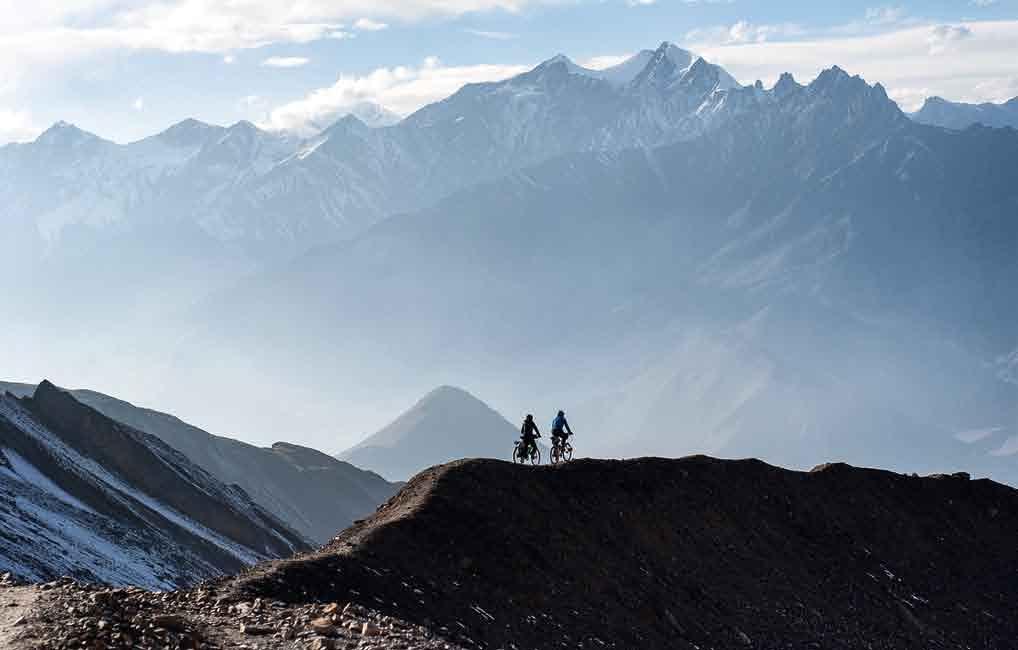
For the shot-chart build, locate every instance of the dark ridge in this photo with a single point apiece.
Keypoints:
(688, 553)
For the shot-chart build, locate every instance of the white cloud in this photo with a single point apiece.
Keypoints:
(368, 25)
(942, 36)
(49, 33)
(402, 89)
(139, 104)
(1009, 448)
(885, 15)
(743, 32)
(229, 59)
(221, 25)
(605, 61)
(975, 435)
(497, 36)
(961, 62)
(286, 61)
(17, 126)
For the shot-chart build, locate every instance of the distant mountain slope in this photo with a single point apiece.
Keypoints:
(821, 278)
(272, 194)
(689, 553)
(446, 423)
(89, 497)
(958, 115)
(314, 493)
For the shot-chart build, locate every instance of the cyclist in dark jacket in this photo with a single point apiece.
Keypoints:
(529, 434)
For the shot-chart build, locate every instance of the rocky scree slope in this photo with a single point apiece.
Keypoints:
(85, 496)
(686, 553)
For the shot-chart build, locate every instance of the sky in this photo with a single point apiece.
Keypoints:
(128, 69)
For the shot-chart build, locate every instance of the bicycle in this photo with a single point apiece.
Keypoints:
(561, 451)
(520, 454)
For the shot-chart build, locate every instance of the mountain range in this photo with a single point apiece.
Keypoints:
(312, 493)
(959, 115)
(798, 272)
(88, 497)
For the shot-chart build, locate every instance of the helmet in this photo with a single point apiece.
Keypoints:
(530, 417)
(561, 413)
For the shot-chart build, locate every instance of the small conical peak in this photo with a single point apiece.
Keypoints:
(447, 392)
(786, 85)
(244, 126)
(831, 77)
(559, 60)
(46, 386)
(49, 393)
(187, 131)
(1012, 103)
(66, 133)
(348, 122)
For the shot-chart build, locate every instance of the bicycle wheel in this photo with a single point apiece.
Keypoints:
(556, 455)
(518, 455)
(535, 457)
(567, 453)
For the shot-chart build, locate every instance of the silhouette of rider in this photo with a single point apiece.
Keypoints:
(529, 434)
(560, 430)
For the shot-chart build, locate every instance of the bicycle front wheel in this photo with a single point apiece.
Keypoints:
(535, 458)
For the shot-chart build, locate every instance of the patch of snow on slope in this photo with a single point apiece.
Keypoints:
(24, 471)
(119, 490)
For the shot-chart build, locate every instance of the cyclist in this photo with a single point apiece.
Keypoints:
(529, 434)
(560, 430)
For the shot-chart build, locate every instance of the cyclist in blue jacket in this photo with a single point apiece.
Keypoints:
(560, 430)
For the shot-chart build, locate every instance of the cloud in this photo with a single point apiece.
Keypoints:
(975, 435)
(49, 33)
(885, 15)
(743, 32)
(229, 59)
(1009, 448)
(139, 104)
(942, 36)
(368, 25)
(908, 60)
(17, 126)
(402, 89)
(497, 36)
(605, 61)
(286, 61)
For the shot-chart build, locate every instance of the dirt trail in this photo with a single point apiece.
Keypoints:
(15, 605)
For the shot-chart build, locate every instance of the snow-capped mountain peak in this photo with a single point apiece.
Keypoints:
(65, 134)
